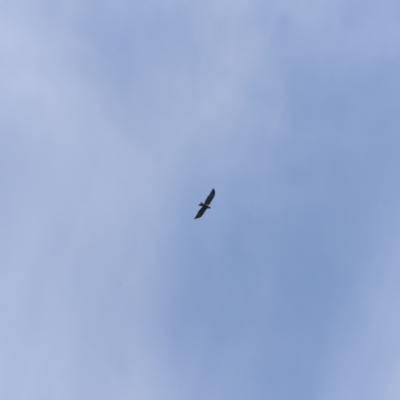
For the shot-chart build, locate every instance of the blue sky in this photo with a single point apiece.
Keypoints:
(117, 118)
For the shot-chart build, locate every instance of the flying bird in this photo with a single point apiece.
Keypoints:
(206, 204)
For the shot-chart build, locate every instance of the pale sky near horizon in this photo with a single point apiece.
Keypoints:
(117, 118)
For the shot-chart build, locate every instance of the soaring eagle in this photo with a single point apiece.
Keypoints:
(206, 204)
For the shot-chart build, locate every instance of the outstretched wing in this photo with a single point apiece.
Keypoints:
(210, 197)
(201, 212)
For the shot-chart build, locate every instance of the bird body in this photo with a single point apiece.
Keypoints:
(204, 206)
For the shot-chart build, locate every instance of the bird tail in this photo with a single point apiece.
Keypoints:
(201, 204)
